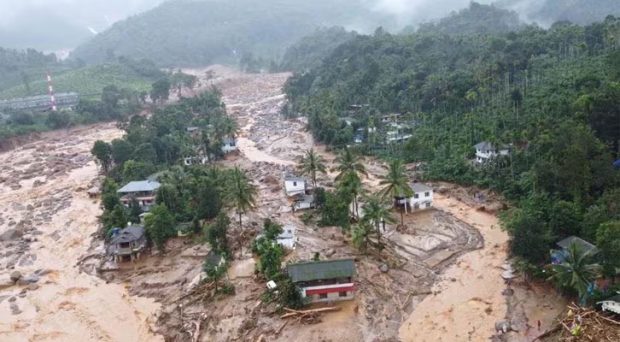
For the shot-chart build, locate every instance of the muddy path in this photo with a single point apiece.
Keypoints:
(46, 226)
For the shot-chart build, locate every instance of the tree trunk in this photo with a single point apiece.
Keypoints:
(378, 232)
(240, 226)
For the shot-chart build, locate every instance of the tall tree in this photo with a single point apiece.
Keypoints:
(310, 164)
(376, 213)
(349, 162)
(103, 152)
(396, 184)
(160, 225)
(241, 192)
(576, 272)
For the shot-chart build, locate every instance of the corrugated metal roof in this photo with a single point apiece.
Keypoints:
(585, 245)
(138, 186)
(129, 234)
(419, 187)
(319, 270)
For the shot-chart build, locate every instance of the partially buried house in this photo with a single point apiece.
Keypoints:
(324, 281)
(126, 244)
(143, 192)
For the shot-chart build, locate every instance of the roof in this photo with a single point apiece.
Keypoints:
(228, 141)
(306, 199)
(419, 187)
(583, 244)
(192, 128)
(485, 145)
(285, 232)
(318, 270)
(129, 234)
(138, 186)
(293, 178)
(213, 259)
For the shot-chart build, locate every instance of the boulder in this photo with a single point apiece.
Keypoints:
(502, 327)
(11, 234)
(384, 268)
(15, 276)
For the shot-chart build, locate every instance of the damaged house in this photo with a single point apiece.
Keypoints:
(126, 244)
(324, 281)
(143, 192)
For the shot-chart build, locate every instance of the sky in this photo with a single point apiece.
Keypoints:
(61, 24)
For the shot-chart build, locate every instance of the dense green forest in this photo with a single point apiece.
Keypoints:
(475, 19)
(310, 50)
(190, 33)
(552, 95)
(23, 67)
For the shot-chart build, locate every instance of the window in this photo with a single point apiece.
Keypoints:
(294, 183)
(342, 294)
(323, 296)
(426, 194)
(416, 196)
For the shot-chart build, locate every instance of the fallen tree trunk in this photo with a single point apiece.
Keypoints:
(297, 313)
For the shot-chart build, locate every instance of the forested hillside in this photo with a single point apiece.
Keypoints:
(194, 32)
(23, 67)
(309, 51)
(546, 12)
(476, 19)
(552, 95)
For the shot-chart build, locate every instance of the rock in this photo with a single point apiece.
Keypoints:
(11, 234)
(32, 287)
(31, 279)
(12, 299)
(42, 271)
(508, 292)
(15, 276)
(502, 327)
(384, 268)
(330, 252)
(6, 283)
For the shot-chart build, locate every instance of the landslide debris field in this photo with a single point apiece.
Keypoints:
(439, 279)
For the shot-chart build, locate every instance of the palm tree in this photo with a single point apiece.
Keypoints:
(360, 236)
(396, 184)
(376, 213)
(351, 184)
(310, 164)
(349, 162)
(576, 272)
(241, 193)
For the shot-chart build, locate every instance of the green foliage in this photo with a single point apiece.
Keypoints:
(361, 235)
(103, 152)
(271, 229)
(59, 119)
(160, 90)
(335, 211)
(309, 51)
(289, 295)
(310, 164)
(241, 193)
(608, 241)
(117, 217)
(476, 19)
(122, 151)
(270, 257)
(577, 272)
(217, 235)
(160, 225)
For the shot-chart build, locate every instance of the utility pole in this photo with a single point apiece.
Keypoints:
(50, 89)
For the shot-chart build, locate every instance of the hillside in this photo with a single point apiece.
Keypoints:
(546, 12)
(19, 67)
(90, 80)
(190, 33)
(310, 50)
(476, 19)
(553, 95)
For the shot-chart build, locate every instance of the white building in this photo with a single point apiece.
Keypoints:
(288, 237)
(196, 160)
(305, 202)
(294, 186)
(422, 198)
(486, 151)
(229, 145)
(144, 192)
(325, 280)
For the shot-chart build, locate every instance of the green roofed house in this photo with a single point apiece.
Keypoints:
(324, 281)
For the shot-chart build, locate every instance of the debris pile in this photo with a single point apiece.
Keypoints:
(582, 324)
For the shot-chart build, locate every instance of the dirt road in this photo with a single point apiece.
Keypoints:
(46, 226)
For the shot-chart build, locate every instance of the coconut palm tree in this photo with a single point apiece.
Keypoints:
(352, 185)
(241, 192)
(310, 164)
(361, 236)
(396, 184)
(576, 272)
(376, 213)
(349, 162)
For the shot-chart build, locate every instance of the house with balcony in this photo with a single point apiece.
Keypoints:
(126, 244)
(324, 281)
(143, 192)
(422, 198)
(486, 151)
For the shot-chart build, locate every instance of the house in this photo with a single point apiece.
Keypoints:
(397, 133)
(294, 186)
(304, 202)
(288, 237)
(393, 117)
(196, 160)
(142, 191)
(193, 131)
(229, 145)
(358, 138)
(611, 304)
(324, 281)
(486, 151)
(422, 197)
(558, 256)
(127, 243)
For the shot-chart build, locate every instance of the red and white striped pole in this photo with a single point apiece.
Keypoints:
(50, 88)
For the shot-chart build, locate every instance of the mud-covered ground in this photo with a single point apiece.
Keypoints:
(443, 280)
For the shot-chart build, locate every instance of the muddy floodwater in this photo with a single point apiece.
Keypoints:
(46, 225)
